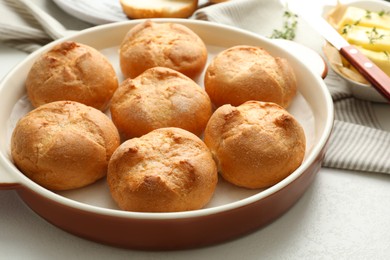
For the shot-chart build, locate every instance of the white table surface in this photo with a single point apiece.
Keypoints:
(343, 215)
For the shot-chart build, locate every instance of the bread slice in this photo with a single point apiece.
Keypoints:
(136, 9)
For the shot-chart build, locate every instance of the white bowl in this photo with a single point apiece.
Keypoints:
(361, 90)
(90, 212)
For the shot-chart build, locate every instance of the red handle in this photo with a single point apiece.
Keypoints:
(368, 69)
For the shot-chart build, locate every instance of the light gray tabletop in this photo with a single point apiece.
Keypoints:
(343, 215)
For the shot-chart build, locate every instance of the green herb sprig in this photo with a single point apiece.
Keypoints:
(346, 28)
(368, 14)
(387, 54)
(374, 35)
(289, 27)
(383, 13)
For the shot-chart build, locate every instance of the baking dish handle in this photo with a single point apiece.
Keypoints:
(7, 181)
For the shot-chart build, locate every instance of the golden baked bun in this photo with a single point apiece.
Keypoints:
(256, 144)
(72, 71)
(166, 170)
(64, 145)
(136, 9)
(159, 97)
(170, 45)
(243, 73)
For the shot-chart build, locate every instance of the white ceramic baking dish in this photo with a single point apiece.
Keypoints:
(90, 212)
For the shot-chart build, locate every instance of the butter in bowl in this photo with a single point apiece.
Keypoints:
(366, 25)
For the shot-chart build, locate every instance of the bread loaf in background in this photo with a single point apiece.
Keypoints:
(136, 9)
(218, 1)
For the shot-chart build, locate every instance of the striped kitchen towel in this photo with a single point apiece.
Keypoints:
(24, 32)
(358, 142)
(19, 28)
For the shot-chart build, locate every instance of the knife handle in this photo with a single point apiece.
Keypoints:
(368, 69)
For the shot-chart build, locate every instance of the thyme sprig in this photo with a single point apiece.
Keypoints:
(383, 13)
(373, 35)
(368, 14)
(387, 54)
(346, 28)
(289, 27)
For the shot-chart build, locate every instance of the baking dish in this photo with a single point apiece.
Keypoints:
(90, 212)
